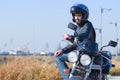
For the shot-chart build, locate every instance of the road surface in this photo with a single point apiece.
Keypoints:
(114, 78)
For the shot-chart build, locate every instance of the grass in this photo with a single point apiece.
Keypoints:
(116, 69)
(28, 68)
(35, 68)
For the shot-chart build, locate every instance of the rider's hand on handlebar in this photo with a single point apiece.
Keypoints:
(66, 36)
(58, 53)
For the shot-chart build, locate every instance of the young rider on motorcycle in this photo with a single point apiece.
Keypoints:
(84, 30)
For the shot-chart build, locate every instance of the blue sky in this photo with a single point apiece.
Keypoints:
(35, 23)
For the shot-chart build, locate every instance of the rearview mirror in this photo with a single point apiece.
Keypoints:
(72, 26)
(112, 43)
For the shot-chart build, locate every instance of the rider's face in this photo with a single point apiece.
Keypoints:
(78, 18)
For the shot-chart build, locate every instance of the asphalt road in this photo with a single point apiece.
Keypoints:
(114, 78)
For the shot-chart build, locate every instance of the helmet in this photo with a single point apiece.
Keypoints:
(80, 8)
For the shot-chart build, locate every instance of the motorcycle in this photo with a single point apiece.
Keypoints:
(85, 65)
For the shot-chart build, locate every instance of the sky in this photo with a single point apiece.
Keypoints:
(37, 24)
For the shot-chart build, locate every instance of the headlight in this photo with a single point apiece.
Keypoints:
(85, 60)
(72, 56)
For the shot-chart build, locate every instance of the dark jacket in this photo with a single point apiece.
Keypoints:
(83, 31)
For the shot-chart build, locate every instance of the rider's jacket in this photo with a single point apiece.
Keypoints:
(83, 31)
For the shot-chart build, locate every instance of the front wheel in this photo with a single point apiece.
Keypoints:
(75, 78)
(104, 77)
(78, 78)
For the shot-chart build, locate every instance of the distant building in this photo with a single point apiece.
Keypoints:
(43, 53)
(12, 52)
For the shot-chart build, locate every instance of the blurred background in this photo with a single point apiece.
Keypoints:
(38, 25)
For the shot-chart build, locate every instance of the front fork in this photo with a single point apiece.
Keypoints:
(86, 75)
(96, 67)
(93, 67)
(88, 71)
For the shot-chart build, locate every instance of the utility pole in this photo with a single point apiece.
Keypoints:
(117, 39)
(102, 10)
